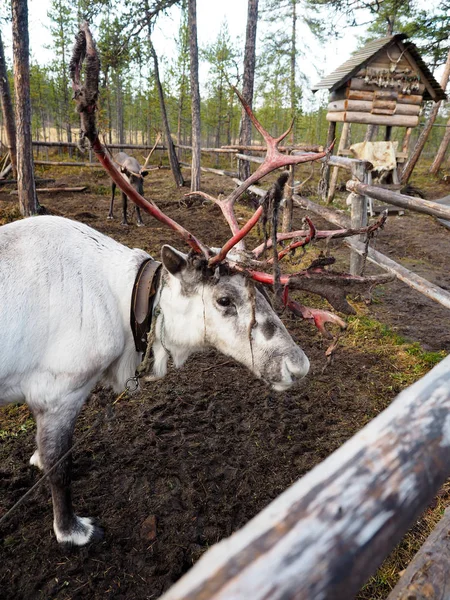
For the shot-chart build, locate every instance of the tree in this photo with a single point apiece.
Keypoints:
(62, 29)
(7, 109)
(28, 201)
(420, 144)
(248, 81)
(195, 96)
(222, 59)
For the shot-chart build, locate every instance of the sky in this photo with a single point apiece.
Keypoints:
(211, 14)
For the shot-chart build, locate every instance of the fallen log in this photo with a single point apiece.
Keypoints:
(55, 190)
(325, 535)
(428, 575)
(14, 181)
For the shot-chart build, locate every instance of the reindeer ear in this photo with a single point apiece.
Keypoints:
(173, 260)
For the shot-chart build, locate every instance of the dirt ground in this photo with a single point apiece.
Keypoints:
(190, 459)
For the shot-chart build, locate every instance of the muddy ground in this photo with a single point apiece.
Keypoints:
(191, 459)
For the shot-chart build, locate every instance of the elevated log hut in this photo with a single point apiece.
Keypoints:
(385, 83)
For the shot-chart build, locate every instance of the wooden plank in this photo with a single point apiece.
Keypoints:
(325, 535)
(428, 575)
(371, 119)
(427, 207)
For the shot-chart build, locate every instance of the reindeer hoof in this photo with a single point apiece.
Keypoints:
(35, 460)
(83, 532)
(110, 217)
(140, 224)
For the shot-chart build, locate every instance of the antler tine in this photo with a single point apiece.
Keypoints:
(86, 97)
(287, 132)
(158, 137)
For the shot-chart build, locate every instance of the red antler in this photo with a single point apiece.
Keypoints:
(86, 98)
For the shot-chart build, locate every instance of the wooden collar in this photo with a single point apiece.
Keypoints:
(142, 298)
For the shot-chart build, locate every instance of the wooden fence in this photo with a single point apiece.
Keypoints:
(325, 535)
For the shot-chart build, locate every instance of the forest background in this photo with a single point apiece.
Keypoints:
(298, 41)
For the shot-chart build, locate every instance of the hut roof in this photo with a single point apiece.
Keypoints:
(360, 59)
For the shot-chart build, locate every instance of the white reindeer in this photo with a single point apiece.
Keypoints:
(65, 295)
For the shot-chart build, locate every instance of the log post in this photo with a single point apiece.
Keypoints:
(428, 575)
(334, 174)
(324, 182)
(288, 209)
(360, 172)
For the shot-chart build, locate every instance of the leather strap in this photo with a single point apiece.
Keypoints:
(142, 298)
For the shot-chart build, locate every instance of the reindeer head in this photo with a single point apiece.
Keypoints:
(205, 307)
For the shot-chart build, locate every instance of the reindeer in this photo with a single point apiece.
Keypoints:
(133, 173)
(90, 307)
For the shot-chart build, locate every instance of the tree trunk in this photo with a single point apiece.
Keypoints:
(441, 151)
(174, 164)
(293, 67)
(412, 160)
(8, 111)
(195, 95)
(28, 201)
(245, 133)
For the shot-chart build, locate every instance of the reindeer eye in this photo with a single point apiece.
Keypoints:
(224, 301)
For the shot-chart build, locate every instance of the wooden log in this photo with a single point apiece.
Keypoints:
(365, 106)
(428, 575)
(55, 190)
(368, 119)
(420, 284)
(68, 164)
(14, 181)
(359, 216)
(255, 159)
(115, 146)
(325, 535)
(334, 173)
(211, 170)
(349, 94)
(259, 148)
(418, 205)
(359, 84)
(414, 281)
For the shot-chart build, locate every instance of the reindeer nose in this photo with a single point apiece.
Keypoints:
(299, 367)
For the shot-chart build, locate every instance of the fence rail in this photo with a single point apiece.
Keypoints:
(325, 535)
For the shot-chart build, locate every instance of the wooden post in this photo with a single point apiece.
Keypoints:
(359, 218)
(334, 174)
(325, 535)
(324, 183)
(441, 151)
(428, 575)
(289, 204)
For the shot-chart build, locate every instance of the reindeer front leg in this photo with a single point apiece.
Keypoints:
(124, 209)
(139, 221)
(55, 425)
(111, 206)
